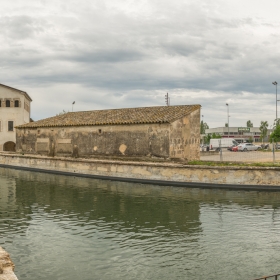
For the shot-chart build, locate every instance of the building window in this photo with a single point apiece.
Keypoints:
(16, 103)
(0, 103)
(10, 126)
(8, 103)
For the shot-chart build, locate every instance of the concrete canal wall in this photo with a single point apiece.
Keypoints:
(151, 172)
(6, 266)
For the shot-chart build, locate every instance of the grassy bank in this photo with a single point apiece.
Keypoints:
(228, 163)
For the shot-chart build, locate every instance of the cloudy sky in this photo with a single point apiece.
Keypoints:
(106, 54)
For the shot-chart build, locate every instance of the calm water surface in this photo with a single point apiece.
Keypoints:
(64, 228)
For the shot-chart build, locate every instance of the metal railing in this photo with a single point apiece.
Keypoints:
(270, 277)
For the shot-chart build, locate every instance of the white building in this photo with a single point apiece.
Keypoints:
(245, 133)
(15, 110)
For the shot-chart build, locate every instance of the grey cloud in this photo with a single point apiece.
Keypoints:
(21, 27)
(115, 51)
(105, 56)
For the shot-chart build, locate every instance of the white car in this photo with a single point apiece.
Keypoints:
(244, 147)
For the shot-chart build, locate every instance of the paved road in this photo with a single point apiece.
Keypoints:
(253, 156)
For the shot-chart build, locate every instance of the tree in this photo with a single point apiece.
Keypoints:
(276, 122)
(275, 135)
(208, 137)
(216, 136)
(226, 124)
(263, 130)
(203, 127)
(249, 123)
(250, 140)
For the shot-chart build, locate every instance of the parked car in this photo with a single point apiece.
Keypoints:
(248, 147)
(265, 146)
(230, 148)
(235, 149)
(216, 144)
(204, 148)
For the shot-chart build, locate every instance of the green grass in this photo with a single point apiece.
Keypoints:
(227, 163)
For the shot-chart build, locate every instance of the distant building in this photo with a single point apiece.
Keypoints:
(162, 131)
(246, 133)
(15, 110)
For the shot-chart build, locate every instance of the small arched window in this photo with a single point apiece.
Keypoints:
(16, 103)
(8, 103)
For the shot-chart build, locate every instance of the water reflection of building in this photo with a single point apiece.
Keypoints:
(7, 193)
(145, 206)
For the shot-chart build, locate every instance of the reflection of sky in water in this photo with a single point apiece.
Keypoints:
(59, 227)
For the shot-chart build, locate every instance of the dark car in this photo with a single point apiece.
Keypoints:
(265, 146)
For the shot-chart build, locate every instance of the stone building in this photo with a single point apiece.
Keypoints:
(162, 131)
(15, 110)
(241, 134)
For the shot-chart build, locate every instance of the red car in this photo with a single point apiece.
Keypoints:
(235, 149)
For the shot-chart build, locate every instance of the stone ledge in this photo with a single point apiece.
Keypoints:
(6, 266)
(135, 163)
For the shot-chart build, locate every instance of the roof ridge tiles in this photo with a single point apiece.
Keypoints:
(142, 115)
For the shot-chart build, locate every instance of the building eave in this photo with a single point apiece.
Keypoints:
(20, 91)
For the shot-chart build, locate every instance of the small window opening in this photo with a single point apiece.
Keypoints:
(8, 103)
(0, 103)
(10, 126)
(99, 130)
(16, 103)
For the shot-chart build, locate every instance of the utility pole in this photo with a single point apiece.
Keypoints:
(227, 119)
(203, 130)
(275, 83)
(167, 100)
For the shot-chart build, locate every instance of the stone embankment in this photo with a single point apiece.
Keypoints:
(160, 173)
(6, 266)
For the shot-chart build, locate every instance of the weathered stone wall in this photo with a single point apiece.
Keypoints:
(185, 137)
(123, 140)
(151, 171)
(6, 266)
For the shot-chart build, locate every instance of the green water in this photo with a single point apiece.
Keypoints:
(65, 228)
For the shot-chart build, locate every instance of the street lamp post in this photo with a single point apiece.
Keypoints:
(275, 83)
(227, 119)
(202, 130)
(73, 105)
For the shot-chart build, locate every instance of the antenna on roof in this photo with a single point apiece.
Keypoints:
(167, 99)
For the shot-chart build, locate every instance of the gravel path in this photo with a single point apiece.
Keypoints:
(253, 156)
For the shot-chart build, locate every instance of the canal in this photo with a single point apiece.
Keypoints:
(66, 228)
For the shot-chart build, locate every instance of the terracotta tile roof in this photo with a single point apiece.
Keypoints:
(159, 114)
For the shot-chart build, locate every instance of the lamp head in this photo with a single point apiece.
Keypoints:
(274, 83)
